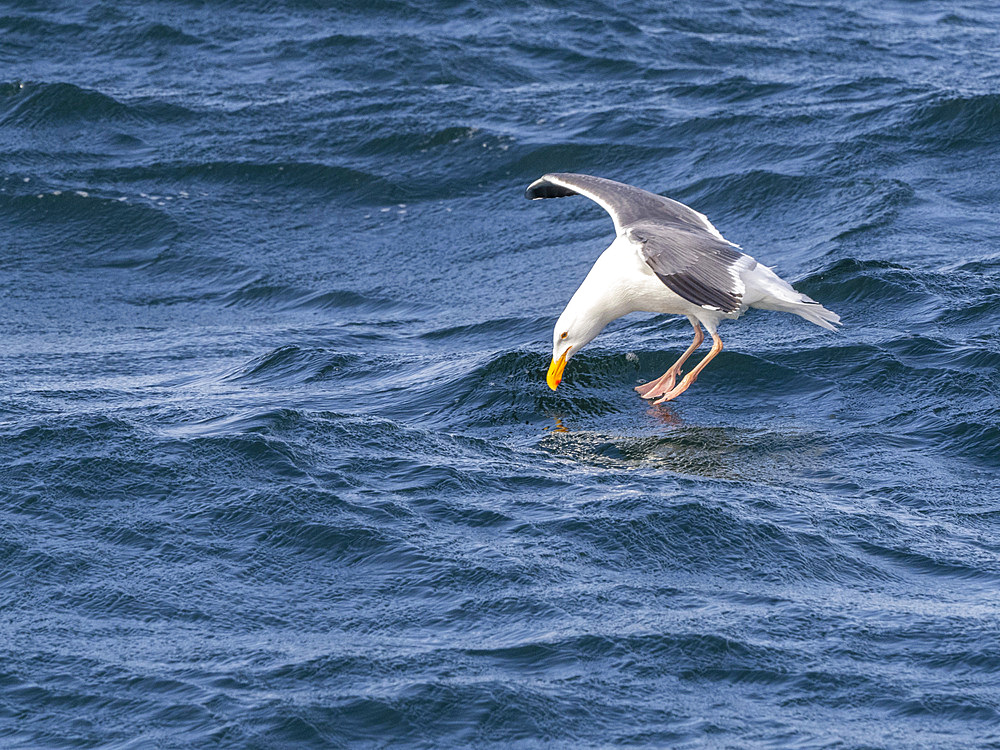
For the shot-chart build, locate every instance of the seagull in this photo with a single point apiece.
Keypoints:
(665, 258)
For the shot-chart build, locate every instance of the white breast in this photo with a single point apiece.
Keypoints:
(633, 285)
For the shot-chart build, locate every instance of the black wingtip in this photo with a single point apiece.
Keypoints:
(544, 189)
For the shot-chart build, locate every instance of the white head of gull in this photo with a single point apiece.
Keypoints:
(665, 258)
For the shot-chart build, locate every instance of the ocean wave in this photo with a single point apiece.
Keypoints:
(508, 388)
(691, 535)
(732, 89)
(349, 545)
(267, 178)
(867, 204)
(111, 230)
(913, 561)
(477, 331)
(975, 439)
(145, 36)
(956, 121)
(410, 138)
(54, 430)
(34, 27)
(289, 297)
(876, 283)
(293, 364)
(35, 105)
(278, 459)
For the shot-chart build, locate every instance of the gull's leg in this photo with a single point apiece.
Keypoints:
(692, 376)
(665, 382)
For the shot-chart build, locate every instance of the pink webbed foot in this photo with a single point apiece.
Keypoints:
(659, 386)
(665, 383)
(692, 376)
(673, 393)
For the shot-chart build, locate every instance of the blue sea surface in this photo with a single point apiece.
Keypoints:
(278, 463)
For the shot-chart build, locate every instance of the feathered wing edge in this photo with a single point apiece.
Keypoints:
(772, 293)
(691, 263)
(626, 204)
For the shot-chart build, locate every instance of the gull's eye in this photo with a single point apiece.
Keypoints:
(564, 334)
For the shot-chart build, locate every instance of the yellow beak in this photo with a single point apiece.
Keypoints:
(554, 377)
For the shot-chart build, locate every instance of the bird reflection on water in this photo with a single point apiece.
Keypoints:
(665, 415)
(662, 414)
(766, 456)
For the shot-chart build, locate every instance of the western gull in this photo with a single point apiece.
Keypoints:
(665, 258)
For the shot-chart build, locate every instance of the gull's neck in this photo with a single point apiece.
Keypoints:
(603, 295)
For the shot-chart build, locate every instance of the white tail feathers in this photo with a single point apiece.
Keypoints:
(814, 312)
(768, 291)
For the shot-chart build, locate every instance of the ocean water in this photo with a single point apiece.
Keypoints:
(278, 464)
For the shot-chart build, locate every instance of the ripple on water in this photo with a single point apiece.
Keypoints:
(106, 229)
(956, 121)
(278, 461)
(57, 104)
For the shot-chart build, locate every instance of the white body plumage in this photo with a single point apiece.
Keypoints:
(666, 258)
(621, 282)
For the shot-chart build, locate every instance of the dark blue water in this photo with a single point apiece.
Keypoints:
(278, 464)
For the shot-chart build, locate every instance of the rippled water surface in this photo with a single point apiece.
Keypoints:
(278, 464)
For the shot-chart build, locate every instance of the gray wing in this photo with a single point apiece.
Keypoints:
(625, 203)
(679, 244)
(692, 263)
